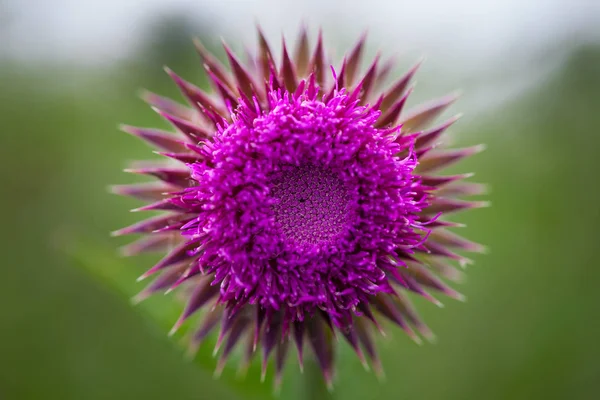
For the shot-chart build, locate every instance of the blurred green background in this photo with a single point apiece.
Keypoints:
(530, 327)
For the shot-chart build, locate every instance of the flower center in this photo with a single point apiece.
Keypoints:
(313, 204)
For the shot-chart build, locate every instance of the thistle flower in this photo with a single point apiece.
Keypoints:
(302, 204)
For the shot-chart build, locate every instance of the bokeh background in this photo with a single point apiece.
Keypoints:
(530, 76)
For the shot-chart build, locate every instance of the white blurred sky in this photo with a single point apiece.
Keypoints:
(102, 29)
(465, 37)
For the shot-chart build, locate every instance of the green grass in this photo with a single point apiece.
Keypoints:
(528, 330)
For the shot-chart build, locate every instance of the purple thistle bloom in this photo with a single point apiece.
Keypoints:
(303, 203)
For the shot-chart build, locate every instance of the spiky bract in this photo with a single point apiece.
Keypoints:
(301, 202)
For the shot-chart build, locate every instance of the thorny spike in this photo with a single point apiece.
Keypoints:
(193, 131)
(238, 328)
(148, 244)
(423, 115)
(442, 205)
(405, 307)
(426, 278)
(167, 105)
(249, 350)
(202, 294)
(439, 181)
(366, 310)
(161, 205)
(259, 319)
(179, 254)
(396, 91)
(339, 83)
(299, 341)
(428, 137)
(317, 62)
(185, 158)
(288, 75)
(271, 333)
(403, 279)
(159, 138)
(211, 63)
(151, 224)
(228, 319)
(354, 59)
(265, 55)
(250, 61)
(367, 81)
(435, 249)
(280, 358)
(352, 339)
(173, 176)
(243, 78)
(391, 116)
(435, 222)
(383, 73)
(463, 189)
(203, 102)
(208, 324)
(367, 342)
(445, 269)
(227, 95)
(321, 341)
(144, 191)
(386, 307)
(443, 158)
(302, 53)
(163, 282)
(195, 148)
(450, 239)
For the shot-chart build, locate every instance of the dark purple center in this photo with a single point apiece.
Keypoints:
(313, 204)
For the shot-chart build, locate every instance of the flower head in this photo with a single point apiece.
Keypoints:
(302, 203)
